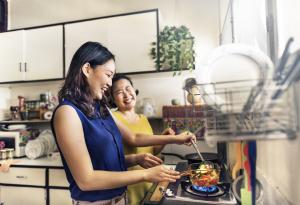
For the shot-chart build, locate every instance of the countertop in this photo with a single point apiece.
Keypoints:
(48, 162)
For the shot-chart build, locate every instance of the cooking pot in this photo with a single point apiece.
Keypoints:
(238, 183)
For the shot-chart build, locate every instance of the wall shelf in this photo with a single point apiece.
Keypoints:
(23, 121)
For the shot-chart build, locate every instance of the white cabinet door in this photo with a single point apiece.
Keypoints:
(77, 34)
(43, 53)
(57, 177)
(25, 176)
(59, 196)
(11, 50)
(130, 38)
(22, 195)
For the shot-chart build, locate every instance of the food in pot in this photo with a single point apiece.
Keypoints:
(207, 174)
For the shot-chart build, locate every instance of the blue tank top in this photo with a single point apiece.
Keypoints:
(104, 144)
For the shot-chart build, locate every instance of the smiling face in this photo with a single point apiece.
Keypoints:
(100, 78)
(124, 95)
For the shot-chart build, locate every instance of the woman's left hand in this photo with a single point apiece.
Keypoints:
(186, 138)
(168, 131)
(148, 160)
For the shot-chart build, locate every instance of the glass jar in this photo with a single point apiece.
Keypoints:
(10, 153)
(3, 154)
(147, 107)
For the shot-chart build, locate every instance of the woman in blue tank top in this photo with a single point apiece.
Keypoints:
(90, 140)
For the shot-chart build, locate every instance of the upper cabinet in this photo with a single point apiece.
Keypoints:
(43, 53)
(128, 37)
(11, 54)
(33, 54)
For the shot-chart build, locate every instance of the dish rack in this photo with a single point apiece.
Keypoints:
(245, 110)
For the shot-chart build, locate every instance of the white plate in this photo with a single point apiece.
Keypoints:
(16, 127)
(232, 67)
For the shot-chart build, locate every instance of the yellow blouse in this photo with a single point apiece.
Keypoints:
(136, 192)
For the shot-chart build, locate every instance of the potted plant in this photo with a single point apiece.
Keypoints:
(175, 49)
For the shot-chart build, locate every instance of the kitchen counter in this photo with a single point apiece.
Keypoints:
(44, 162)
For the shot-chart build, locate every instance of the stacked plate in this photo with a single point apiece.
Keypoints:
(41, 146)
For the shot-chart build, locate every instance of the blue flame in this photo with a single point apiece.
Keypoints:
(205, 189)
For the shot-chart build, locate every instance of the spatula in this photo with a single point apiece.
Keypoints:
(196, 148)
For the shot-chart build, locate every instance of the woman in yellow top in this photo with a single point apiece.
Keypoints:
(124, 97)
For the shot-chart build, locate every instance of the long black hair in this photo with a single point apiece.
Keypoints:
(75, 87)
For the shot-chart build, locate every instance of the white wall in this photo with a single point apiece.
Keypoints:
(288, 23)
(32, 91)
(225, 21)
(279, 160)
(250, 23)
(201, 16)
(5, 96)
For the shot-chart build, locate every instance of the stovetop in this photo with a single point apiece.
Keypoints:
(177, 193)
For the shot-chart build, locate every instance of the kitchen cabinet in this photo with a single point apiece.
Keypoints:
(58, 196)
(128, 37)
(57, 178)
(33, 178)
(35, 182)
(10, 195)
(24, 176)
(32, 54)
(11, 51)
(43, 53)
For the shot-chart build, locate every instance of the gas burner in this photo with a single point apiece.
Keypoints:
(214, 191)
(205, 189)
(182, 192)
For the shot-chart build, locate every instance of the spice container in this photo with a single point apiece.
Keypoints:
(10, 153)
(3, 154)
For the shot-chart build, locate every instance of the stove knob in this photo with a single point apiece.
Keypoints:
(169, 193)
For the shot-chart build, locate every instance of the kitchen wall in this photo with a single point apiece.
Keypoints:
(5, 96)
(201, 16)
(279, 160)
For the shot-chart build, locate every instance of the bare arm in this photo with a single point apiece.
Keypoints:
(145, 160)
(70, 138)
(142, 140)
(157, 149)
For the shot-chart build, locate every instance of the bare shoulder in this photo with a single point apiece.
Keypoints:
(66, 119)
(65, 112)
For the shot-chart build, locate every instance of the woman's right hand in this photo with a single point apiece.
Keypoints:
(185, 138)
(160, 173)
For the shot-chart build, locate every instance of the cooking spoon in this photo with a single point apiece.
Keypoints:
(196, 148)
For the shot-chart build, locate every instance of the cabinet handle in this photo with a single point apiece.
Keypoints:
(25, 64)
(21, 177)
(20, 69)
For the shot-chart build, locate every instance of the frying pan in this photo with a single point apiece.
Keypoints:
(199, 177)
(194, 157)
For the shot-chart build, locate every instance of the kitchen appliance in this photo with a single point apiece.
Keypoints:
(237, 185)
(182, 192)
(14, 140)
